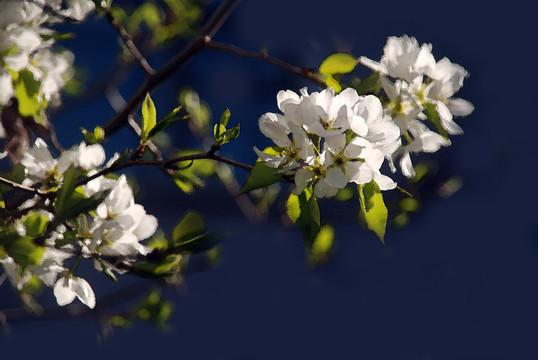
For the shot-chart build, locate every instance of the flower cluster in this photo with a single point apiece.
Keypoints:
(330, 140)
(112, 230)
(419, 88)
(29, 69)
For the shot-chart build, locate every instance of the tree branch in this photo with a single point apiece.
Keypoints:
(152, 81)
(126, 38)
(166, 164)
(29, 189)
(264, 56)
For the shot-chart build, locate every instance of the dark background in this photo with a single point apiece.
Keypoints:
(460, 282)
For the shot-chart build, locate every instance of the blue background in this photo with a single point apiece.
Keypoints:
(460, 282)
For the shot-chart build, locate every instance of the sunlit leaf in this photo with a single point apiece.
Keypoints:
(324, 241)
(338, 63)
(303, 211)
(27, 92)
(35, 224)
(261, 176)
(331, 81)
(21, 248)
(372, 208)
(149, 117)
(95, 137)
(225, 117)
(165, 122)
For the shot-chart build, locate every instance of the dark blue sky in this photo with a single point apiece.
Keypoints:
(460, 282)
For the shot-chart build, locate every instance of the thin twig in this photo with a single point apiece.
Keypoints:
(126, 38)
(152, 81)
(263, 55)
(167, 164)
(49, 10)
(29, 189)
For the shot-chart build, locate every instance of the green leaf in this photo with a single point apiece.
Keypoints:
(338, 63)
(218, 129)
(66, 192)
(27, 92)
(434, 119)
(368, 85)
(225, 117)
(165, 122)
(303, 210)
(70, 203)
(331, 81)
(35, 224)
(261, 176)
(16, 174)
(149, 117)
(409, 204)
(95, 137)
(197, 244)
(324, 241)
(21, 248)
(191, 173)
(191, 225)
(169, 265)
(231, 134)
(372, 209)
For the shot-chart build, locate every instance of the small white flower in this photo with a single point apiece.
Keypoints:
(403, 58)
(67, 288)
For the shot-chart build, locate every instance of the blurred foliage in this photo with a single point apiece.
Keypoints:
(162, 21)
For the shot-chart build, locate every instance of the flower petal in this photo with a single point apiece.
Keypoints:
(63, 291)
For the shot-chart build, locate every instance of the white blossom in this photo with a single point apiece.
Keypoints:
(421, 86)
(353, 137)
(69, 287)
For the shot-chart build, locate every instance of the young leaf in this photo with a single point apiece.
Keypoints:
(95, 137)
(303, 210)
(331, 81)
(149, 117)
(71, 203)
(225, 117)
(21, 248)
(372, 208)
(35, 224)
(191, 225)
(27, 93)
(324, 241)
(261, 176)
(197, 244)
(338, 63)
(165, 122)
(169, 265)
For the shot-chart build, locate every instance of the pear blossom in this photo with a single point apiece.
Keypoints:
(42, 167)
(24, 25)
(421, 85)
(70, 287)
(120, 224)
(335, 139)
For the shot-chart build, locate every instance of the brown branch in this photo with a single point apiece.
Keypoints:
(152, 81)
(29, 189)
(264, 56)
(126, 38)
(166, 164)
